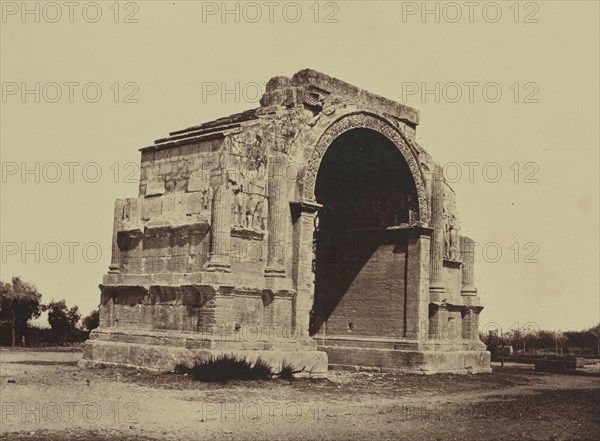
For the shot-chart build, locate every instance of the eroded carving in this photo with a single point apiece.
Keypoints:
(451, 226)
(373, 122)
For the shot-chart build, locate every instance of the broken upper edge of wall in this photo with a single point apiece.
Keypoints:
(311, 88)
(307, 87)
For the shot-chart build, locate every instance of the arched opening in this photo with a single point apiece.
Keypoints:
(368, 195)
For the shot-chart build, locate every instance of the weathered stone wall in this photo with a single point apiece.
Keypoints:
(451, 276)
(219, 242)
(365, 286)
(176, 202)
(198, 309)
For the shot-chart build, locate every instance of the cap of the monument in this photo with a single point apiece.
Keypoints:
(306, 87)
(311, 88)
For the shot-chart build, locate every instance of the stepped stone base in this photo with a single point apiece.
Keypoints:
(170, 349)
(163, 350)
(382, 356)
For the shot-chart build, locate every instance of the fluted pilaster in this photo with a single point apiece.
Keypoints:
(221, 230)
(436, 285)
(467, 254)
(278, 208)
(115, 266)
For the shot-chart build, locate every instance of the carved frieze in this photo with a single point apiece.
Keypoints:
(373, 122)
(451, 226)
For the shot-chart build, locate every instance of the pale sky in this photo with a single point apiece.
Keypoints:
(174, 55)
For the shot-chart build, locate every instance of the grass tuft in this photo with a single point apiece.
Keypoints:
(287, 372)
(224, 368)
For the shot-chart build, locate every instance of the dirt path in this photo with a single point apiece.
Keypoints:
(46, 396)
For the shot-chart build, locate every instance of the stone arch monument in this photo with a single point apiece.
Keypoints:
(310, 231)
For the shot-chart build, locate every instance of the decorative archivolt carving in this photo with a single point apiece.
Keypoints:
(378, 124)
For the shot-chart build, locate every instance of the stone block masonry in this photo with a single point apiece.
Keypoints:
(312, 231)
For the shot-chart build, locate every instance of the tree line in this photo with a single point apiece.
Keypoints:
(21, 302)
(584, 342)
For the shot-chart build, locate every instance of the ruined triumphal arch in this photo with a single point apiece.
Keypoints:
(312, 231)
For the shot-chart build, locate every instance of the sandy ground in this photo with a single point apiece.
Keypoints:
(45, 396)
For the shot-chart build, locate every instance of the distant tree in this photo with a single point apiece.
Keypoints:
(19, 302)
(588, 339)
(560, 340)
(62, 320)
(545, 339)
(91, 321)
(595, 331)
(534, 339)
(513, 338)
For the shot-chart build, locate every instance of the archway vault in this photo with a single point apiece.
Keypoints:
(381, 125)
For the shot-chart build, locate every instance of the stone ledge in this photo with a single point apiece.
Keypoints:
(246, 233)
(353, 368)
(242, 281)
(311, 364)
(220, 339)
(410, 361)
(451, 263)
(369, 342)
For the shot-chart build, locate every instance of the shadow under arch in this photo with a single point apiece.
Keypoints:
(365, 186)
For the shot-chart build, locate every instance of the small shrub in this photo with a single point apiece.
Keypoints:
(224, 368)
(261, 370)
(182, 369)
(287, 372)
